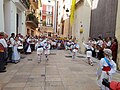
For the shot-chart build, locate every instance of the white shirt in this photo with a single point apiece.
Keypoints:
(109, 43)
(28, 40)
(12, 42)
(100, 43)
(3, 42)
(88, 46)
(104, 63)
(46, 45)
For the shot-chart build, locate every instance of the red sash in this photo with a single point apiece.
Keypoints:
(106, 68)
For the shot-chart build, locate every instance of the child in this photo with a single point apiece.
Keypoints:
(106, 68)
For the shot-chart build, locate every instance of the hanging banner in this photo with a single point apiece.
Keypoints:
(72, 11)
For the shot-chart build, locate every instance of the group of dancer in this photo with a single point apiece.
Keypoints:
(106, 55)
(43, 48)
(14, 45)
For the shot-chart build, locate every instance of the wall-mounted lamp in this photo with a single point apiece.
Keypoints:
(81, 29)
(67, 11)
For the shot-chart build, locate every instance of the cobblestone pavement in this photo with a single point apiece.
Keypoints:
(60, 72)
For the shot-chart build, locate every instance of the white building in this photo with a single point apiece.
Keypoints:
(12, 16)
(118, 32)
(81, 25)
(64, 17)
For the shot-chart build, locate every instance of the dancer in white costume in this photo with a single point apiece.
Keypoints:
(40, 51)
(89, 48)
(46, 49)
(29, 48)
(16, 54)
(106, 68)
(75, 48)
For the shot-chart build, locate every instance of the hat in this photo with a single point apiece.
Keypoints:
(108, 52)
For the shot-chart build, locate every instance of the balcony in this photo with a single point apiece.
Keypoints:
(26, 3)
(47, 24)
(22, 4)
(34, 3)
(31, 19)
(47, 13)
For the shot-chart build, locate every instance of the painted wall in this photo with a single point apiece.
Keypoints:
(118, 31)
(82, 17)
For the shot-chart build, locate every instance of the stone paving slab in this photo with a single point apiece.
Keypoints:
(59, 73)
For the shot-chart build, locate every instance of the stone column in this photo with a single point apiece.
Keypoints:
(1, 16)
(22, 25)
(10, 17)
(118, 32)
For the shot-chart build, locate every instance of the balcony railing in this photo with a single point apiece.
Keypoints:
(47, 13)
(31, 17)
(26, 3)
(49, 25)
(34, 3)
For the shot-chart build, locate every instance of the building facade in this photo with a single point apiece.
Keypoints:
(33, 18)
(118, 33)
(47, 18)
(103, 18)
(81, 25)
(47, 15)
(12, 16)
(64, 18)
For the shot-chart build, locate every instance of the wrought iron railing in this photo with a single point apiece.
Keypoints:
(26, 3)
(32, 17)
(47, 12)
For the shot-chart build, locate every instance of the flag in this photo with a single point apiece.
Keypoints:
(72, 11)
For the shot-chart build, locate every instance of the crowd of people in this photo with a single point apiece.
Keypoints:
(12, 46)
(103, 49)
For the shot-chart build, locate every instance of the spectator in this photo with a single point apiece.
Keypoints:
(10, 48)
(16, 54)
(114, 48)
(3, 46)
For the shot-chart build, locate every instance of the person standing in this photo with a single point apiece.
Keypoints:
(75, 48)
(3, 46)
(11, 42)
(28, 48)
(106, 68)
(89, 50)
(114, 48)
(39, 50)
(16, 54)
(46, 49)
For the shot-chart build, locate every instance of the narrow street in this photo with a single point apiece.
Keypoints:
(59, 73)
